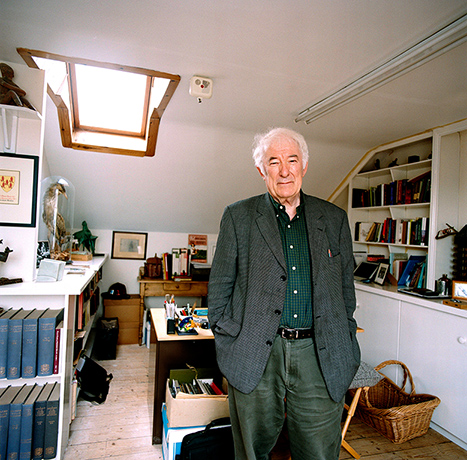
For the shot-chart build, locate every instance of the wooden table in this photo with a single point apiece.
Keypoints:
(175, 352)
(150, 287)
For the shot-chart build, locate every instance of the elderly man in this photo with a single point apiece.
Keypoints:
(281, 302)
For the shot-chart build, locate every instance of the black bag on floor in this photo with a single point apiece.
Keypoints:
(215, 442)
(93, 380)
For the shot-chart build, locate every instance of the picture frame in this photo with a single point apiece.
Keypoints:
(459, 290)
(381, 273)
(18, 189)
(129, 245)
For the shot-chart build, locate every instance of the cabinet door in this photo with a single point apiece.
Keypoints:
(431, 347)
(379, 317)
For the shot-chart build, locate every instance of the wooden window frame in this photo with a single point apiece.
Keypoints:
(89, 138)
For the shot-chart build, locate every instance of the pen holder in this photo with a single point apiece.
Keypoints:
(170, 326)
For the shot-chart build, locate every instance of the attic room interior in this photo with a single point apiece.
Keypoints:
(378, 90)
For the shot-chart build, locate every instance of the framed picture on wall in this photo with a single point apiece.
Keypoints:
(18, 189)
(129, 245)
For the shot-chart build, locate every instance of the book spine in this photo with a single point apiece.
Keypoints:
(29, 353)
(51, 429)
(38, 430)
(57, 349)
(14, 431)
(4, 421)
(45, 346)
(3, 346)
(25, 445)
(15, 340)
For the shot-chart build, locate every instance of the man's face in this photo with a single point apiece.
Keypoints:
(283, 170)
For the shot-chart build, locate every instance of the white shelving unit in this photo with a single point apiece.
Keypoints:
(55, 295)
(428, 336)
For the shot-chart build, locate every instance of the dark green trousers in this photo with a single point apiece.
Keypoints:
(292, 384)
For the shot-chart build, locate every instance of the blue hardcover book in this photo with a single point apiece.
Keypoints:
(38, 428)
(46, 341)
(15, 341)
(51, 423)
(5, 401)
(29, 355)
(25, 446)
(14, 425)
(404, 280)
(4, 318)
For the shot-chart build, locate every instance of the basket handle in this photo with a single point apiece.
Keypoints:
(406, 373)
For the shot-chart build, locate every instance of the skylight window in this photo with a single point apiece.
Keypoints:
(105, 107)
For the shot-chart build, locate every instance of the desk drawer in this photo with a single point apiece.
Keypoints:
(183, 288)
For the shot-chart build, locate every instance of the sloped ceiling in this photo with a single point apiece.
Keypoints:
(268, 60)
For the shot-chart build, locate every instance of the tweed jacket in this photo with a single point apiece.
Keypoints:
(247, 288)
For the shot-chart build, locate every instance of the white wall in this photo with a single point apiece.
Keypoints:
(126, 271)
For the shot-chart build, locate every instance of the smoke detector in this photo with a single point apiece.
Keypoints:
(200, 87)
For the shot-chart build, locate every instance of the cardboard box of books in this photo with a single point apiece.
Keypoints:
(194, 398)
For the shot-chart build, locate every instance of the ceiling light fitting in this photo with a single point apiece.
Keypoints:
(200, 87)
(431, 47)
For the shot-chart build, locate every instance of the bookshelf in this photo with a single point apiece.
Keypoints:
(424, 333)
(55, 295)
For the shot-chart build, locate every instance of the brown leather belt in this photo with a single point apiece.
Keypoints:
(293, 334)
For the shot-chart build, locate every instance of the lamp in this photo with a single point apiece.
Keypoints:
(434, 45)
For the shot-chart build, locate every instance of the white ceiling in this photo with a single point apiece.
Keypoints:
(268, 60)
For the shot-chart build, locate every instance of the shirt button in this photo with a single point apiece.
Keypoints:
(288, 226)
(295, 291)
(294, 268)
(291, 246)
(295, 316)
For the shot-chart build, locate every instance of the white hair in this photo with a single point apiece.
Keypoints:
(263, 141)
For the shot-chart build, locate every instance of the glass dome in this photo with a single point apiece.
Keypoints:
(56, 219)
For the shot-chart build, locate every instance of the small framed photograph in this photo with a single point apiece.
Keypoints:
(459, 290)
(129, 245)
(381, 273)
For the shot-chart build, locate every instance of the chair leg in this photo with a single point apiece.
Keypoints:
(350, 413)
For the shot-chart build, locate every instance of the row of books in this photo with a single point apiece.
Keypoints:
(398, 192)
(29, 421)
(196, 387)
(178, 264)
(29, 342)
(394, 231)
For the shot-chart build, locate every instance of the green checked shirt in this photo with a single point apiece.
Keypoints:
(297, 313)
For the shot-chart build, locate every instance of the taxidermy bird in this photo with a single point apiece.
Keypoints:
(52, 218)
(85, 238)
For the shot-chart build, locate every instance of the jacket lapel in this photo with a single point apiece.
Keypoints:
(267, 225)
(316, 231)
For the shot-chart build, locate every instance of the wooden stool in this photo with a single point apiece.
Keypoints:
(365, 377)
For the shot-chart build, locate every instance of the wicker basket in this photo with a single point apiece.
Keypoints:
(394, 413)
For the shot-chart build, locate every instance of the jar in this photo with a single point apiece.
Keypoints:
(56, 218)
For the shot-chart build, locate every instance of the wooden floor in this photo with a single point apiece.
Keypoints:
(121, 427)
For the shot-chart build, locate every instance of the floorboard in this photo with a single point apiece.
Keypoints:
(120, 429)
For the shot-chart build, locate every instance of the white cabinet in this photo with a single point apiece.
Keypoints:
(427, 336)
(55, 295)
(433, 345)
(379, 317)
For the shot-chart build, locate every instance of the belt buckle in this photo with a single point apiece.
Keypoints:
(289, 333)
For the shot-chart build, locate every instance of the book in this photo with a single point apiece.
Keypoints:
(51, 423)
(29, 352)
(25, 445)
(407, 274)
(199, 248)
(38, 427)
(46, 341)
(14, 425)
(58, 332)
(5, 400)
(15, 342)
(4, 319)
